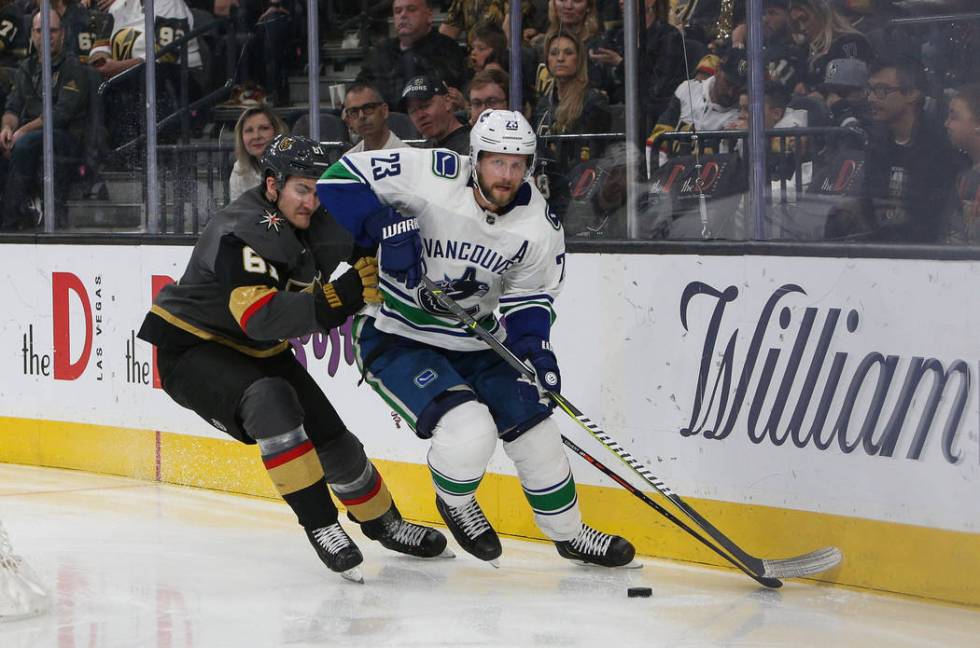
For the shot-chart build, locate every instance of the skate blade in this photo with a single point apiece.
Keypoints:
(446, 554)
(353, 575)
(495, 563)
(630, 565)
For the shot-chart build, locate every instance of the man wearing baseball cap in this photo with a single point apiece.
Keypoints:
(709, 104)
(845, 89)
(426, 100)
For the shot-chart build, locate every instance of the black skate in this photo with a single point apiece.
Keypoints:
(337, 551)
(404, 537)
(471, 529)
(597, 548)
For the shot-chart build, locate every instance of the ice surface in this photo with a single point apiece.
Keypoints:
(138, 564)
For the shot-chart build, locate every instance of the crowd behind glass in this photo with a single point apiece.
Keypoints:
(879, 101)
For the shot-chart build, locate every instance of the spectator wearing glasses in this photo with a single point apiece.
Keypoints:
(417, 50)
(366, 114)
(429, 106)
(910, 163)
(963, 126)
(256, 128)
(21, 129)
(488, 91)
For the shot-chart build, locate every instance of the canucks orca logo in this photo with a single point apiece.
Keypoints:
(458, 289)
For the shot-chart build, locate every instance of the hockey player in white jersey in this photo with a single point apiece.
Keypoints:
(479, 229)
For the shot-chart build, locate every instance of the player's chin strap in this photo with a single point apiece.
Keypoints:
(764, 571)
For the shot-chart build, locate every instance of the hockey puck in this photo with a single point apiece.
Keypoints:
(639, 592)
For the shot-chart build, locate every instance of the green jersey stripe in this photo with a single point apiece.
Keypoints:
(452, 486)
(559, 498)
(338, 172)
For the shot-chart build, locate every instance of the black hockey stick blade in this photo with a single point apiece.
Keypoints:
(803, 565)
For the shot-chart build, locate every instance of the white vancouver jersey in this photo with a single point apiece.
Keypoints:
(514, 260)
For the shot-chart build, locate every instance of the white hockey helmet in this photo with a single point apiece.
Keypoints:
(503, 131)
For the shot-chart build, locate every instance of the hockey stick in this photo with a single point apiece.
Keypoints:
(636, 492)
(803, 565)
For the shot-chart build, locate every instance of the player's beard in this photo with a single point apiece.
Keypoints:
(495, 196)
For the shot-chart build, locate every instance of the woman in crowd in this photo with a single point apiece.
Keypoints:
(256, 127)
(571, 106)
(963, 126)
(580, 19)
(827, 35)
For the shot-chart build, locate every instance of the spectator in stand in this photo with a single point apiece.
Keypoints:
(579, 18)
(827, 35)
(910, 164)
(21, 130)
(706, 68)
(256, 128)
(570, 107)
(777, 113)
(81, 25)
(125, 45)
(429, 106)
(14, 35)
(278, 31)
(122, 45)
(845, 89)
(417, 50)
(488, 91)
(366, 114)
(661, 67)
(465, 16)
(963, 126)
(488, 46)
(715, 101)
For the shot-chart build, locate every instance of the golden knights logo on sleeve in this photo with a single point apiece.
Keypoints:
(272, 221)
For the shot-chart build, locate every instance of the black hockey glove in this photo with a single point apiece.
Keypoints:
(401, 245)
(338, 300)
(537, 352)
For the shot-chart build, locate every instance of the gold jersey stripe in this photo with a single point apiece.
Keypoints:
(244, 298)
(211, 337)
(297, 474)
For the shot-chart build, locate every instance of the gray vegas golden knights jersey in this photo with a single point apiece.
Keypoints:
(248, 284)
(513, 261)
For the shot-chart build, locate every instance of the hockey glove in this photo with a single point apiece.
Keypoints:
(338, 300)
(367, 268)
(401, 245)
(547, 378)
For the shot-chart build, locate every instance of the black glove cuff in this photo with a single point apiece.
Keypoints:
(361, 251)
(349, 288)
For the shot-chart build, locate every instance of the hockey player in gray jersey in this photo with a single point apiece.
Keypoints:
(251, 283)
(479, 229)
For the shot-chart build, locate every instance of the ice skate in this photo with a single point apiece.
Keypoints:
(471, 529)
(337, 551)
(405, 537)
(591, 547)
